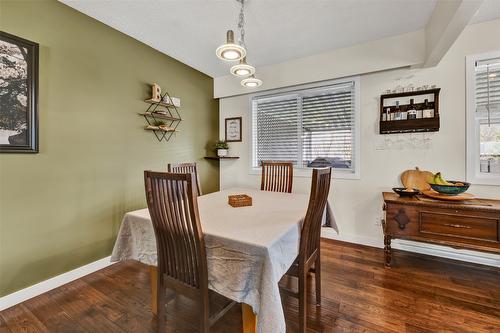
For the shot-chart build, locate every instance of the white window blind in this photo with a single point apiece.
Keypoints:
(276, 127)
(487, 97)
(311, 127)
(487, 75)
(483, 118)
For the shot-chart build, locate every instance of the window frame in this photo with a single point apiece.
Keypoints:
(472, 122)
(354, 173)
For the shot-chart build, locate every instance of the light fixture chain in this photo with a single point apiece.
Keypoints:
(241, 23)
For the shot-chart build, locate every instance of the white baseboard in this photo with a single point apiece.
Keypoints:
(476, 257)
(57, 281)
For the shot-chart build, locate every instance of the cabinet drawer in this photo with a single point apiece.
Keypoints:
(459, 226)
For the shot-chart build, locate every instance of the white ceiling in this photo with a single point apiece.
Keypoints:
(490, 10)
(276, 30)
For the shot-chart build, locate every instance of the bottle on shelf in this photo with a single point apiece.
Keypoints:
(404, 114)
(420, 113)
(412, 111)
(397, 112)
(428, 111)
(386, 114)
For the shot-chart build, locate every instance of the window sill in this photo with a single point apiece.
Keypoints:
(307, 173)
(484, 179)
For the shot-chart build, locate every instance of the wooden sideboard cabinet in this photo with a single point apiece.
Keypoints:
(473, 226)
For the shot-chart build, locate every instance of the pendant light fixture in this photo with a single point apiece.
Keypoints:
(242, 69)
(230, 51)
(251, 82)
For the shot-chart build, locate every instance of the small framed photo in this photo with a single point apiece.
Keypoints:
(19, 95)
(233, 129)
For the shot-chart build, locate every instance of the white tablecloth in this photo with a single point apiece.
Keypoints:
(248, 248)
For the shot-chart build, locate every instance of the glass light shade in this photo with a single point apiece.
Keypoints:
(251, 82)
(230, 51)
(242, 69)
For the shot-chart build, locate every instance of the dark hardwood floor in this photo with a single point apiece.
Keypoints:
(419, 294)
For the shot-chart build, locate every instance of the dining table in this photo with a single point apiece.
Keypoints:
(249, 249)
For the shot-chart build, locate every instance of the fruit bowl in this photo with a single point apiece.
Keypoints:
(406, 192)
(454, 189)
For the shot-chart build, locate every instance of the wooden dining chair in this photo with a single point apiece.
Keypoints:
(182, 261)
(186, 168)
(309, 259)
(277, 176)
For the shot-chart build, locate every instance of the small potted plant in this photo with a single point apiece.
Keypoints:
(222, 148)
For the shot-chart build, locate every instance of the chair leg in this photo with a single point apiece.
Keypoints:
(317, 280)
(161, 309)
(302, 301)
(204, 322)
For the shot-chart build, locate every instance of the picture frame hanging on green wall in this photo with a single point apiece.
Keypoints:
(18, 94)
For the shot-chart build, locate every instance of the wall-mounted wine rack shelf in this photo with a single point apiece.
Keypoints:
(405, 125)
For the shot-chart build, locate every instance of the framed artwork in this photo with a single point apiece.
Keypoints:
(18, 95)
(233, 129)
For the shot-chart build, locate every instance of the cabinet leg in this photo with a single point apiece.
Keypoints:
(387, 250)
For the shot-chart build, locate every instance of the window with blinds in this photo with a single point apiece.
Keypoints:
(483, 118)
(276, 129)
(487, 115)
(311, 127)
(487, 73)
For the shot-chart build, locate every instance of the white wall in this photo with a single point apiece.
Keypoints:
(357, 204)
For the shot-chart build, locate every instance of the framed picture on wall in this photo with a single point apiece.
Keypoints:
(18, 95)
(233, 129)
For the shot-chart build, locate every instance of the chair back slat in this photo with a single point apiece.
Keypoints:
(277, 176)
(311, 229)
(186, 168)
(173, 207)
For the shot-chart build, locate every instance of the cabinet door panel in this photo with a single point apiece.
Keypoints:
(401, 220)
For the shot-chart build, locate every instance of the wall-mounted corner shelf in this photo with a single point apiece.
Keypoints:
(221, 158)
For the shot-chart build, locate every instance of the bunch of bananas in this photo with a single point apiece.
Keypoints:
(437, 179)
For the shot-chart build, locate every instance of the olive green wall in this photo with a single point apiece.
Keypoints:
(62, 208)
